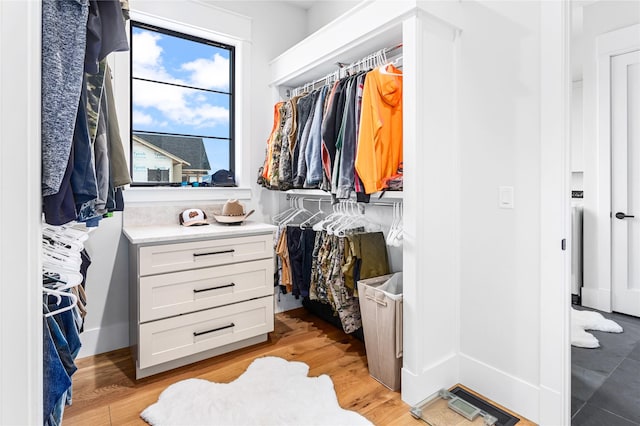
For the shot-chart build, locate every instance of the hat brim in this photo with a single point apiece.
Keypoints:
(195, 223)
(229, 219)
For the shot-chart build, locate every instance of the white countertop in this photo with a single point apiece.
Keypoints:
(175, 232)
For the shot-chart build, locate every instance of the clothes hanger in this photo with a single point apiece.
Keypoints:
(275, 219)
(383, 68)
(346, 214)
(301, 212)
(310, 222)
(74, 301)
(321, 226)
(290, 212)
(394, 237)
(67, 232)
(61, 280)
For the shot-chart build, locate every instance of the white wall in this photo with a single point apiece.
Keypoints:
(323, 12)
(598, 18)
(106, 326)
(499, 101)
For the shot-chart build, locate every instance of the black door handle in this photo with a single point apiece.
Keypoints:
(621, 215)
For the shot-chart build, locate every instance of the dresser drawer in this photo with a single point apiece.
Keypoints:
(177, 293)
(181, 256)
(172, 338)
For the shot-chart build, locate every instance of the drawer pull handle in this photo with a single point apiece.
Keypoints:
(213, 288)
(200, 333)
(213, 252)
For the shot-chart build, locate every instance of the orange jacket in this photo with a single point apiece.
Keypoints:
(380, 140)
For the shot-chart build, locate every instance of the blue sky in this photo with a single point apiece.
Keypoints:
(171, 109)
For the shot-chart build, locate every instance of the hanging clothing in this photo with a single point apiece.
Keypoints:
(265, 173)
(283, 254)
(365, 257)
(63, 45)
(342, 138)
(105, 32)
(361, 196)
(313, 149)
(326, 267)
(118, 161)
(380, 140)
(304, 108)
(285, 178)
(345, 176)
(56, 381)
(300, 245)
(301, 146)
(331, 127)
(276, 151)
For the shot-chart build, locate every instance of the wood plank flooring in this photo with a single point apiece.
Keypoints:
(105, 391)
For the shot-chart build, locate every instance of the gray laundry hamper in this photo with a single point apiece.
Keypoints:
(381, 309)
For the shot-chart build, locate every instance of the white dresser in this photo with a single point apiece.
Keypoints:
(197, 292)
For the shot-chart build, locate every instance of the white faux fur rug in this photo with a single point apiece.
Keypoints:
(588, 320)
(272, 392)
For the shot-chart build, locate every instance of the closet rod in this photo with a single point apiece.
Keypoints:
(336, 75)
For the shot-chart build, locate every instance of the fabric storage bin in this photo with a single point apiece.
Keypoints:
(381, 309)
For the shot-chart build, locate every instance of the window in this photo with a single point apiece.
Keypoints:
(158, 175)
(182, 103)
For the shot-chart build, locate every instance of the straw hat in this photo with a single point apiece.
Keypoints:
(232, 213)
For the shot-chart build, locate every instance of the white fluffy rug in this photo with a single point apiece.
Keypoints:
(588, 320)
(272, 391)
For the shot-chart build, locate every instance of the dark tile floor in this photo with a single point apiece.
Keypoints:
(605, 382)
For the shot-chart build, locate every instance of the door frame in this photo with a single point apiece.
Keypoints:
(555, 214)
(610, 44)
(21, 344)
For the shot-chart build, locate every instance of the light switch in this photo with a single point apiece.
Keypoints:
(505, 197)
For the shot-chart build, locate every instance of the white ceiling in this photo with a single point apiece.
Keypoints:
(302, 4)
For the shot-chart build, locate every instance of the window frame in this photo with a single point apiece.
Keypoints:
(233, 166)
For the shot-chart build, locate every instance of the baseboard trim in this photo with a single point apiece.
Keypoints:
(505, 389)
(104, 339)
(596, 298)
(418, 387)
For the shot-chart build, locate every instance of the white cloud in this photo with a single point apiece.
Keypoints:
(147, 58)
(176, 105)
(163, 105)
(142, 119)
(209, 73)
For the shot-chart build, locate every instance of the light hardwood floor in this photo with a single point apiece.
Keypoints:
(105, 391)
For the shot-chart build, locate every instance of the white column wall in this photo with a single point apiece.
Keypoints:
(499, 131)
(431, 209)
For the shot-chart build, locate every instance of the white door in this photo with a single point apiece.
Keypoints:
(625, 183)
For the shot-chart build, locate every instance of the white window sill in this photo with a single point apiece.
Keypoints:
(179, 195)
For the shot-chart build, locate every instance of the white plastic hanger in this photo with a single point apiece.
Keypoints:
(59, 294)
(315, 218)
(301, 212)
(281, 215)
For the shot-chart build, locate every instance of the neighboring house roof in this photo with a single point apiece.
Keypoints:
(191, 149)
(159, 150)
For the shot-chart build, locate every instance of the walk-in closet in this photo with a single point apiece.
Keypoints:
(249, 170)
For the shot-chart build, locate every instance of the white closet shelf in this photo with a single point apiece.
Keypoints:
(366, 28)
(388, 195)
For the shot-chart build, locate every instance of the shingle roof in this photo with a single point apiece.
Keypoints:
(190, 149)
